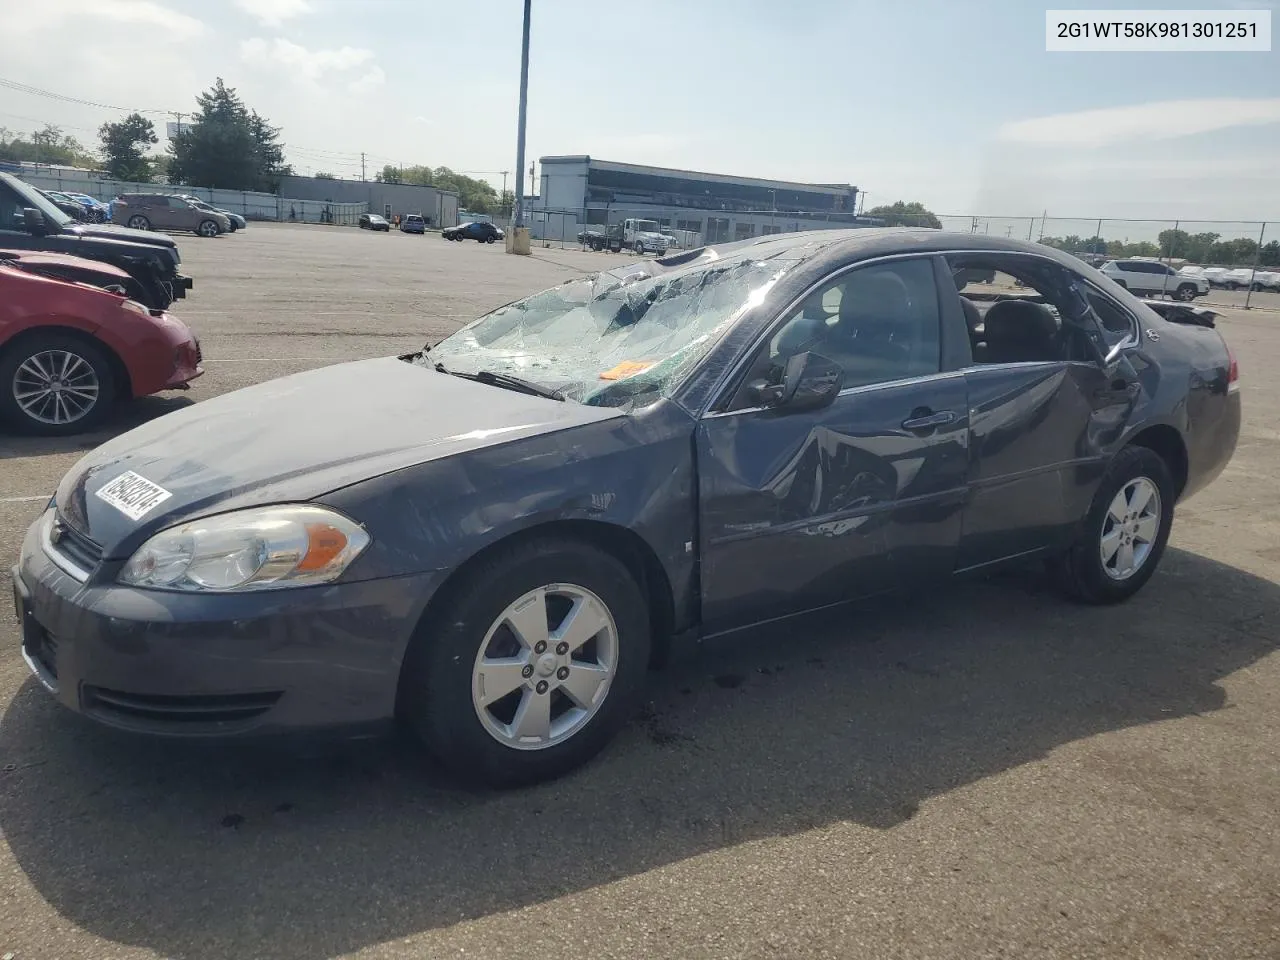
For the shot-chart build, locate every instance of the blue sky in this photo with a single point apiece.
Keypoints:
(955, 103)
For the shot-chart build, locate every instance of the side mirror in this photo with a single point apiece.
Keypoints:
(34, 222)
(809, 381)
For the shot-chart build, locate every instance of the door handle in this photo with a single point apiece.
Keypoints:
(929, 420)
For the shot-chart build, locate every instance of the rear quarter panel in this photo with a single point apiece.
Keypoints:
(1195, 395)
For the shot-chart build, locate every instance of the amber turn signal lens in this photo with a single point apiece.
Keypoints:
(324, 543)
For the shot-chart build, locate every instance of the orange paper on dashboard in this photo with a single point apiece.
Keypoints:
(627, 368)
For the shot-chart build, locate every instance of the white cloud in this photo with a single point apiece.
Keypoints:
(274, 12)
(32, 17)
(309, 65)
(369, 81)
(1162, 120)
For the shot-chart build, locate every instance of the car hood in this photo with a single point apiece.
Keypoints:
(109, 232)
(61, 264)
(299, 437)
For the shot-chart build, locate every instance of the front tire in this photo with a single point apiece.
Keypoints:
(1186, 292)
(55, 385)
(208, 228)
(1122, 538)
(531, 665)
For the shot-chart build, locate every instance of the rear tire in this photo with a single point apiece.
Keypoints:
(83, 376)
(138, 222)
(443, 681)
(1117, 518)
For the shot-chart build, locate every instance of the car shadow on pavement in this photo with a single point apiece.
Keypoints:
(197, 852)
(126, 416)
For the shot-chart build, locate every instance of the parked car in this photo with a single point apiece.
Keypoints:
(413, 223)
(1148, 277)
(595, 239)
(94, 211)
(493, 538)
(72, 208)
(371, 221)
(68, 352)
(29, 221)
(147, 211)
(1238, 279)
(236, 222)
(1266, 280)
(477, 230)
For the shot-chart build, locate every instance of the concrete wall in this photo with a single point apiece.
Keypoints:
(440, 207)
(563, 185)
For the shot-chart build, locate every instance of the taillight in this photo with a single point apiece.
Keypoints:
(1233, 371)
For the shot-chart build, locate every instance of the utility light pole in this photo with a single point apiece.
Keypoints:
(518, 219)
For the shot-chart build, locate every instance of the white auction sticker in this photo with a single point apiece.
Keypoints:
(133, 495)
(1176, 31)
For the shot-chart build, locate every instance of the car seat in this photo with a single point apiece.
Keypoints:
(1019, 331)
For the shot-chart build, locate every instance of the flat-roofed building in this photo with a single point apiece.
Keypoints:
(577, 192)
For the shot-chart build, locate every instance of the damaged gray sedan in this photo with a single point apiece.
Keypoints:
(492, 540)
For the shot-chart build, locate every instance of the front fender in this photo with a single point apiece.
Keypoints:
(634, 472)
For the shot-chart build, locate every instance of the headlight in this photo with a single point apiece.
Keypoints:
(264, 548)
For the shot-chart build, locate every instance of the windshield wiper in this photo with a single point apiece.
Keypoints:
(506, 381)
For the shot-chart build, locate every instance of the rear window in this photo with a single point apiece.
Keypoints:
(413, 219)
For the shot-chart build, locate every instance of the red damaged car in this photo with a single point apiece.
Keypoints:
(72, 343)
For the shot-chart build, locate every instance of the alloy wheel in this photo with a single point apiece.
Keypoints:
(56, 387)
(545, 667)
(1130, 528)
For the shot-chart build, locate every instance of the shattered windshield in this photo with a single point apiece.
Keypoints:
(619, 338)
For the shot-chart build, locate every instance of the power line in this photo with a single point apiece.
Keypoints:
(39, 92)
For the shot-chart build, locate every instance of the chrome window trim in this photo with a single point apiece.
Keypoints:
(848, 391)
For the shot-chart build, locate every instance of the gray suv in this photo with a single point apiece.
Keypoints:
(146, 211)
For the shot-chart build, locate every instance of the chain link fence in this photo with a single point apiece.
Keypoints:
(1239, 258)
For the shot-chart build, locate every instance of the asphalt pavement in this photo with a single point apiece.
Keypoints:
(975, 770)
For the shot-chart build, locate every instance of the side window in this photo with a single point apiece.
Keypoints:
(177, 203)
(879, 323)
(1017, 317)
(1116, 322)
(10, 210)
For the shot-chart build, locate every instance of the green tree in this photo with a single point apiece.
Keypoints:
(1173, 243)
(48, 145)
(271, 165)
(1270, 254)
(322, 175)
(227, 146)
(478, 196)
(910, 214)
(122, 145)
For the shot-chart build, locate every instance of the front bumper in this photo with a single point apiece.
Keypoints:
(318, 659)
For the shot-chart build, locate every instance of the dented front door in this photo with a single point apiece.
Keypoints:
(803, 510)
